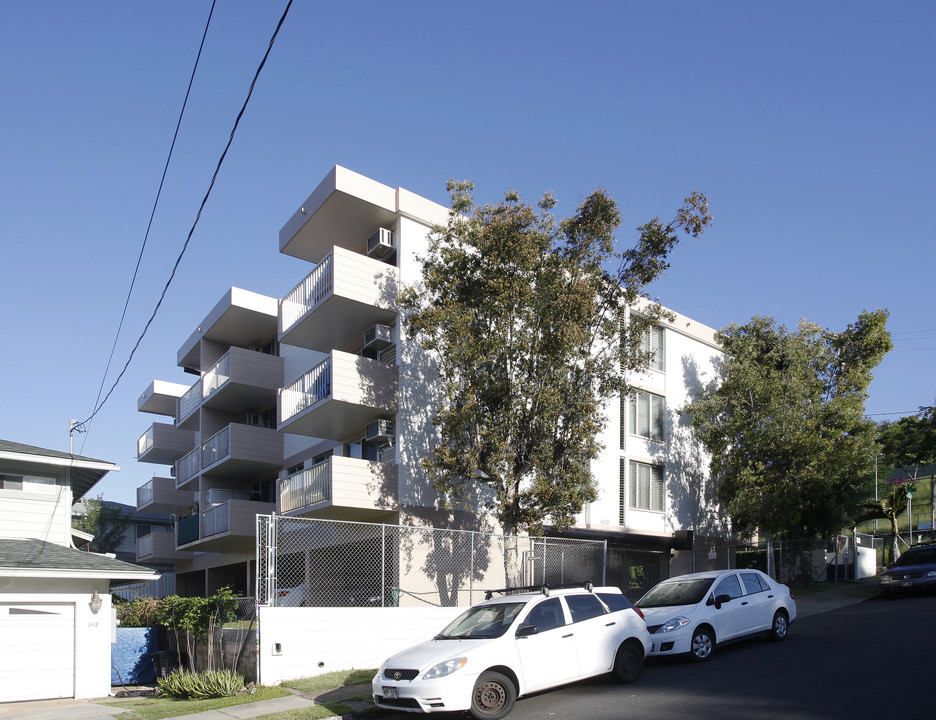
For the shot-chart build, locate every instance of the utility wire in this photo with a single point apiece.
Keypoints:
(191, 232)
(81, 426)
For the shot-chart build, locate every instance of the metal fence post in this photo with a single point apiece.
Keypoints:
(383, 565)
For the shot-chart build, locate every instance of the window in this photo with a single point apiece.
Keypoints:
(654, 341)
(546, 616)
(646, 416)
(647, 491)
(728, 586)
(584, 607)
(28, 483)
(753, 583)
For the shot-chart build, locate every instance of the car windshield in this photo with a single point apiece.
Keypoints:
(925, 556)
(482, 621)
(676, 592)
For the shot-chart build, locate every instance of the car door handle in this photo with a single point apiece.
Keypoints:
(610, 624)
(567, 636)
(770, 596)
(744, 603)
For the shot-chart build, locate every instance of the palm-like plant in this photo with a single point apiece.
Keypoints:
(889, 507)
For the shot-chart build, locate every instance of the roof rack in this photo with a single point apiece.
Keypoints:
(545, 589)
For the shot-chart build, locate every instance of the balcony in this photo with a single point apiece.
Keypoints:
(241, 451)
(160, 398)
(188, 467)
(187, 530)
(160, 495)
(160, 547)
(164, 444)
(227, 527)
(188, 403)
(344, 296)
(338, 396)
(242, 380)
(341, 488)
(240, 319)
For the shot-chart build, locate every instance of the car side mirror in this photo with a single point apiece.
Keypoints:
(721, 600)
(527, 630)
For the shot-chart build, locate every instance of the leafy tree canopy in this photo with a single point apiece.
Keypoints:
(522, 318)
(785, 426)
(910, 442)
(105, 522)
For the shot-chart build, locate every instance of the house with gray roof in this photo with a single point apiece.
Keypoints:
(56, 619)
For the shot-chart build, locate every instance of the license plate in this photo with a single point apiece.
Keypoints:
(906, 583)
(390, 692)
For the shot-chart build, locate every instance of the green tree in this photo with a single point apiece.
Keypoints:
(785, 425)
(889, 506)
(909, 443)
(105, 522)
(523, 321)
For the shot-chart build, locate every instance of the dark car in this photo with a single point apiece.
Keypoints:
(914, 571)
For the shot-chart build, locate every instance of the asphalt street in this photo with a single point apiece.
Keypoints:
(865, 660)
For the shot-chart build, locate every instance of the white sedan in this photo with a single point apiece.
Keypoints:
(694, 613)
(509, 646)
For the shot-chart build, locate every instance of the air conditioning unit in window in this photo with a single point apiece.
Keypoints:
(380, 245)
(381, 431)
(378, 337)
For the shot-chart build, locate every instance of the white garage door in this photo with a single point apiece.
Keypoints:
(37, 651)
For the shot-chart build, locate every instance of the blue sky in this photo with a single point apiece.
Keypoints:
(808, 124)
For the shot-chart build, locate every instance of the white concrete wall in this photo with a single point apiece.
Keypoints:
(313, 641)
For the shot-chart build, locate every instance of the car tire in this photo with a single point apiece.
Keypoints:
(703, 644)
(493, 696)
(780, 626)
(628, 663)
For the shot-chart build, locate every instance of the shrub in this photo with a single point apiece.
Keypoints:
(182, 684)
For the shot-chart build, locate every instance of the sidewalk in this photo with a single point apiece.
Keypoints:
(102, 709)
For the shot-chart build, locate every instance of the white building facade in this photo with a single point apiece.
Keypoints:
(316, 405)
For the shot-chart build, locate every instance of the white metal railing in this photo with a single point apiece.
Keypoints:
(315, 385)
(216, 520)
(145, 494)
(187, 467)
(145, 442)
(306, 487)
(144, 548)
(217, 447)
(308, 294)
(189, 402)
(217, 375)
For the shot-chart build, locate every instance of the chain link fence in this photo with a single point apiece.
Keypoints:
(801, 562)
(332, 563)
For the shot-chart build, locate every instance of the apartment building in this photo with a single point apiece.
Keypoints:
(316, 405)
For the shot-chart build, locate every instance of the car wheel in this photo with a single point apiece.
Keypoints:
(493, 696)
(780, 626)
(628, 663)
(703, 643)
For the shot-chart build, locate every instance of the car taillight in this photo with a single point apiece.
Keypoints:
(639, 612)
(283, 593)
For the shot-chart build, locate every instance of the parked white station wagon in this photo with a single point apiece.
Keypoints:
(516, 644)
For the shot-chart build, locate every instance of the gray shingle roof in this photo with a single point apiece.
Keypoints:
(85, 471)
(19, 557)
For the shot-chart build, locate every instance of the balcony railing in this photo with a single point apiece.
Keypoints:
(145, 442)
(144, 548)
(216, 520)
(190, 402)
(187, 467)
(217, 447)
(217, 375)
(315, 385)
(187, 529)
(306, 487)
(145, 494)
(306, 296)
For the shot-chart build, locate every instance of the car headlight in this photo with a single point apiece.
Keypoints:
(673, 624)
(931, 573)
(885, 578)
(444, 668)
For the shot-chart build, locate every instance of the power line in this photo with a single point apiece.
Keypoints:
(83, 424)
(149, 225)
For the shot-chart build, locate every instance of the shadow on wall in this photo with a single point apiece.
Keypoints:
(694, 499)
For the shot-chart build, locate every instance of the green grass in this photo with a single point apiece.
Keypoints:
(330, 681)
(154, 708)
